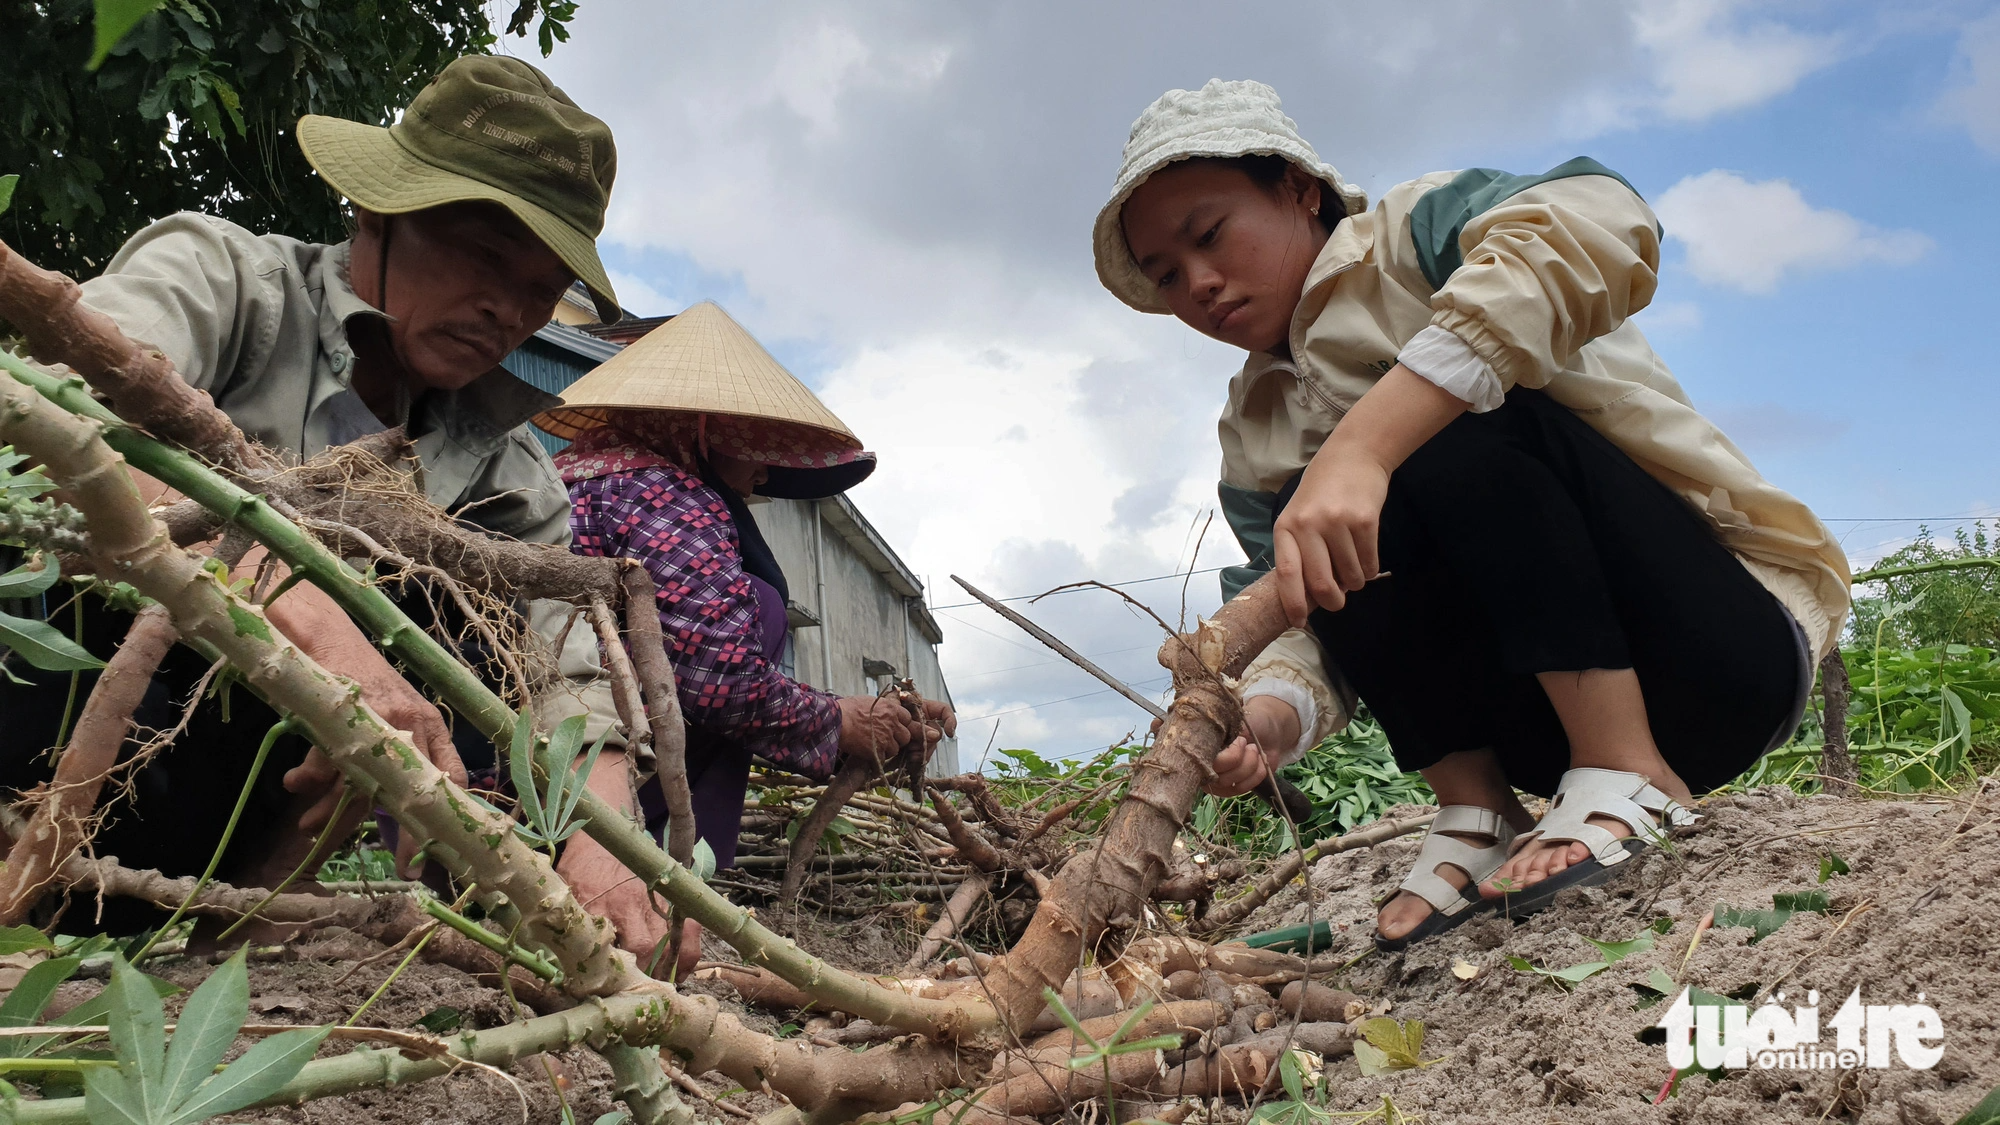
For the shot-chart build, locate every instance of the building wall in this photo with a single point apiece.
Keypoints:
(864, 623)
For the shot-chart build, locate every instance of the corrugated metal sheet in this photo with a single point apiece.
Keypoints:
(553, 358)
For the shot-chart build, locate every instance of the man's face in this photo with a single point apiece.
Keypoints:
(466, 284)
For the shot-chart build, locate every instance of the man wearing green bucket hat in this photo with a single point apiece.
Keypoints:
(474, 213)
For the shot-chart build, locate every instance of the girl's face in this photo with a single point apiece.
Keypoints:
(1229, 255)
(742, 476)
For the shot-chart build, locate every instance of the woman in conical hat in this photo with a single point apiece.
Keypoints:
(1491, 509)
(668, 438)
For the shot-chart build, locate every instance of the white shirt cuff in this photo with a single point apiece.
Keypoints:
(1301, 701)
(1441, 357)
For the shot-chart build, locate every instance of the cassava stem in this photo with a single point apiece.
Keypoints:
(625, 840)
(58, 827)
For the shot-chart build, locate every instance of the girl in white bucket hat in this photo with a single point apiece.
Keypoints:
(1494, 514)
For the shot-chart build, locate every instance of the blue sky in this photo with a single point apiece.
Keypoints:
(896, 199)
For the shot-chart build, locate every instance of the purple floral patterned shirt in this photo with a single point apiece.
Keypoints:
(683, 534)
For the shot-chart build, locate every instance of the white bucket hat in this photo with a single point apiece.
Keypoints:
(1222, 119)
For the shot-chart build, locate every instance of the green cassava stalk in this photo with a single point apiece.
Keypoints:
(964, 1018)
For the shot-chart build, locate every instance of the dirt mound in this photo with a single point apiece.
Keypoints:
(1918, 912)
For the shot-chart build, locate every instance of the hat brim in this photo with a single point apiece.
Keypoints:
(785, 483)
(365, 164)
(572, 422)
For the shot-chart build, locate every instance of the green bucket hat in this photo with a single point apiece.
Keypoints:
(489, 129)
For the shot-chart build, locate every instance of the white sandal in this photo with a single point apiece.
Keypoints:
(1451, 905)
(1580, 795)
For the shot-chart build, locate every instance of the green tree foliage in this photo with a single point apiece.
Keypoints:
(1943, 607)
(193, 109)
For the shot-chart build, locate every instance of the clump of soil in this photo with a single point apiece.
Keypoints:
(1918, 914)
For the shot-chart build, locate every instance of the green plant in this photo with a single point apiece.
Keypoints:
(157, 1082)
(1613, 952)
(1764, 923)
(1386, 1045)
(1351, 777)
(1952, 604)
(550, 813)
(1101, 1054)
(194, 104)
(1987, 1112)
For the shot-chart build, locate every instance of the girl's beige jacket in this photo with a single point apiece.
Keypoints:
(1540, 276)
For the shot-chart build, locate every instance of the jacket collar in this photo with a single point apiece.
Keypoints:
(1345, 248)
(478, 416)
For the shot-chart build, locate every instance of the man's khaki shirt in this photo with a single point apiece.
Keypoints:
(262, 323)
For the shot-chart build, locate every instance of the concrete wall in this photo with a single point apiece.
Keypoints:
(857, 609)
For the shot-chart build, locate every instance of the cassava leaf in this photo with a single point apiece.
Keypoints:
(7, 185)
(110, 1097)
(267, 1065)
(138, 1037)
(23, 939)
(42, 645)
(1372, 1059)
(207, 1026)
(1987, 1112)
(25, 581)
(702, 862)
(24, 1005)
(1616, 951)
(521, 767)
(1288, 1073)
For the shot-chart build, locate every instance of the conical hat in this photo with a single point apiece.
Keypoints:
(700, 362)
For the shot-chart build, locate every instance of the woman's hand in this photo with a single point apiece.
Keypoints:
(1324, 542)
(874, 727)
(1270, 728)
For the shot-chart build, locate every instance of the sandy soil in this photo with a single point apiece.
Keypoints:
(1919, 913)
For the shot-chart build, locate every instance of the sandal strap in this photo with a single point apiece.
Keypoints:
(1627, 797)
(1439, 849)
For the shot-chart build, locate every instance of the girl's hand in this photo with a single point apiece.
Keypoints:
(1270, 727)
(1325, 540)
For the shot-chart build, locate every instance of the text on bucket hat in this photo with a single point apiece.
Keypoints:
(487, 129)
(1222, 119)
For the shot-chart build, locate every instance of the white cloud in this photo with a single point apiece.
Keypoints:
(1749, 236)
(1973, 100)
(640, 297)
(1710, 59)
(1670, 317)
(906, 190)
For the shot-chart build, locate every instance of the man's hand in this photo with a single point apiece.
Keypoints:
(874, 727)
(317, 626)
(1270, 730)
(600, 882)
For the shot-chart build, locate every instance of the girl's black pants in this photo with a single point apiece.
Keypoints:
(1522, 541)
